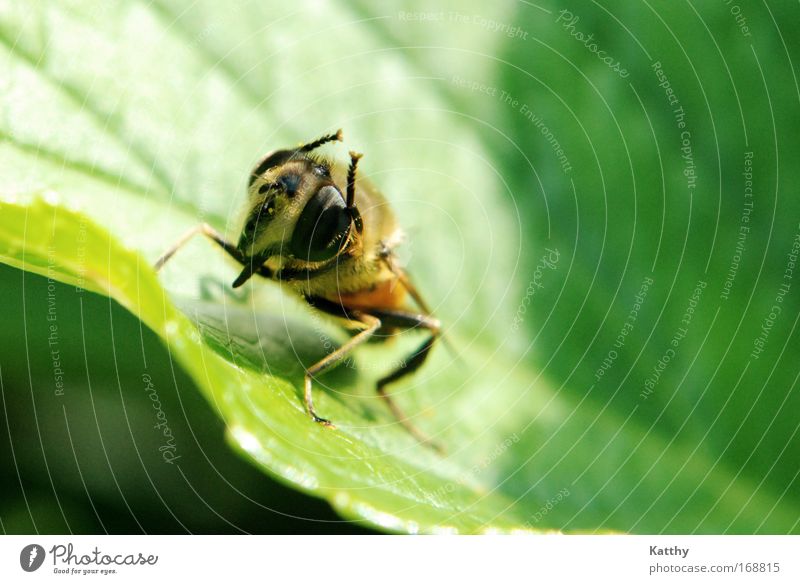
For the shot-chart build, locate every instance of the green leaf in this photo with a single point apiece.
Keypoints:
(124, 124)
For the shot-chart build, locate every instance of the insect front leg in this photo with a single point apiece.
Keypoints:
(204, 229)
(372, 324)
(216, 237)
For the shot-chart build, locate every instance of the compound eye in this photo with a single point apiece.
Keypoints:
(289, 183)
(322, 170)
(260, 216)
(322, 227)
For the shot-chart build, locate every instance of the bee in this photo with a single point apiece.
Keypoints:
(329, 236)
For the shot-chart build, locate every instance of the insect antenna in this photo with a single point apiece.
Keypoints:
(351, 178)
(337, 137)
(279, 157)
(351, 190)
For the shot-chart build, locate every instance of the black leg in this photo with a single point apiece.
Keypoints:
(371, 325)
(407, 320)
(412, 363)
(216, 237)
(392, 319)
(204, 229)
(331, 307)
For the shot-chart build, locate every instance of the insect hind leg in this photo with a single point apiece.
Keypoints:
(407, 320)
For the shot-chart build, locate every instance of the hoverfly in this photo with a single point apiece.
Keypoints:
(330, 236)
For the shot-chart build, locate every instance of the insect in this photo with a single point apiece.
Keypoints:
(330, 236)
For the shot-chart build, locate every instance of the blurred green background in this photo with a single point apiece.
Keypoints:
(579, 158)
